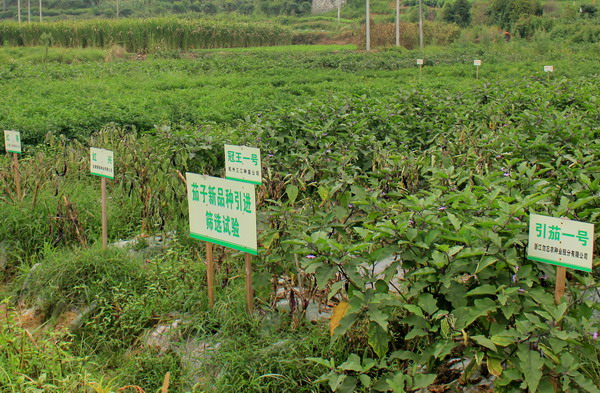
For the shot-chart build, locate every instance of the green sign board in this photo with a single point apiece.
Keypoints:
(222, 212)
(12, 141)
(243, 163)
(561, 242)
(102, 163)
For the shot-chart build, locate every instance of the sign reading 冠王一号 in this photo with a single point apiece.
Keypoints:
(222, 212)
(243, 163)
(12, 141)
(476, 63)
(561, 242)
(102, 163)
(548, 68)
(419, 61)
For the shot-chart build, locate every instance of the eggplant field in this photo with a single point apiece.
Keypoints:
(383, 240)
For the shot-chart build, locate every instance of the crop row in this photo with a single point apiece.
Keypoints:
(142, 35)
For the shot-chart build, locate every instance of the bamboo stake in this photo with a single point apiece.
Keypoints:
(210, 274)
(104, 215)
(249, 292)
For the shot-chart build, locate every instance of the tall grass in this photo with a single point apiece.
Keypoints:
(434, 33)
(142, 35)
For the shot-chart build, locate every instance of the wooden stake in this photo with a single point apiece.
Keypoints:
(104, 214)
(561, 278)
(476, 72)
(249, 293)
(165, 385)
(210, 271)
(17, 176)
(420, 68)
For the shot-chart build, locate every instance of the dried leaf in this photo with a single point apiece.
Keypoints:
(338, 313)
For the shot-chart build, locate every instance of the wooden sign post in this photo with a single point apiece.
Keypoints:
(12, 144)
(548, 70)
(223, 212)
(420, 64)
(561, 242)
(249, 290)
(477, 64)
(210, 274)
(102, 164)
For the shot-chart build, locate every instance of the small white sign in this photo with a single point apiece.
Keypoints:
(548, 68)
(102, 163)
(476, 63)
(12, 141)
(222, 212)
(561, 242)
(243, 163)
(419, 61)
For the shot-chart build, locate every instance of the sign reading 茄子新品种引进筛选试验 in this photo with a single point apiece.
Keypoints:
(243, 163)
(561, 242)
(548, 68)
(222, 212)
(12, 141)
(476, 63)
(102, 163)
(419, 61)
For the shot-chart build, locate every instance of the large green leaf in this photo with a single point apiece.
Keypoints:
(421, 381)
(531, 364)
(378, 339)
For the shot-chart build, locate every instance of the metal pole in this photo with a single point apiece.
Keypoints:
(368, 27)
(117, 9)
(397, 22)
(28, 11)
(19, 10)
(40, 11)
(339, 4)
(421, 24)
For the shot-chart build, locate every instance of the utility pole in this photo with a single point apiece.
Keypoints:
(421, 24)
(117, 9)
(339, 4)
(397, 22)
(19, 10)
(28, 11)
(40, 11)
(368, 27)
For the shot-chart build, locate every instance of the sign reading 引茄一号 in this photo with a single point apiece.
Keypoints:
(561, 242)
(12, 141)
(102, 163)
(222, 212)
(243, 163)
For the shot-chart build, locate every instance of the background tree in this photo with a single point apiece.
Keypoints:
(506, 13)
(458, 11)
